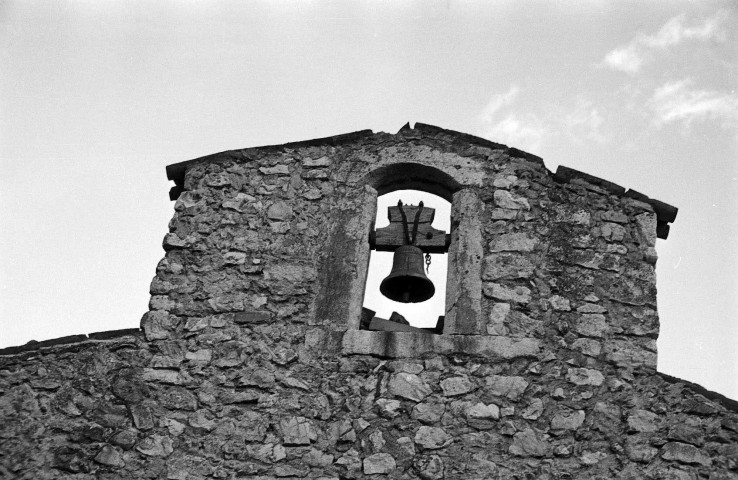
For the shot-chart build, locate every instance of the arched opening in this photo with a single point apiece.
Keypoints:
(424, 314)
(414, 176)
(343, 270)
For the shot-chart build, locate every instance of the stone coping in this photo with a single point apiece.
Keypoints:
(728, 403)
(176, 171)
(70, 340)
(665, 213)
(414, 344)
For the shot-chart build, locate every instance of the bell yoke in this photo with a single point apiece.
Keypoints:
(407, 282)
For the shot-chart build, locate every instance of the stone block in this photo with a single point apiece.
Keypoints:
(316, 163)
(643, 421)
(530, 443)
(275, 170)
(505, 199)
(480, 411)
(533, 410)
(297, 430)
(687, 434)
(432, 438)
(379, 463)
(585, 376)
(409, 386)
(502, 293)
(638, 450)
(497, 319)
(110, 456)
(629, 353)
(507, 266)
(429, 467)
(646, 229)
(506, 386)
(567, 420)
(572, 215)
(428, 412)
(252, 317)
(155, 446)
(587, 346)
(455, 386)
(559, 303)
(685, 453)
(612, 232)
(513, 242)
(592, 325)
(158, 324)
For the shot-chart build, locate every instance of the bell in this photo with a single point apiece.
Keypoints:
(407, 282)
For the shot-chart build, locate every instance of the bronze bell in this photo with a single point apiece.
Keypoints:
(407, 282)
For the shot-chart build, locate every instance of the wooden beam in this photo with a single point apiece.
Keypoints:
(428, 239)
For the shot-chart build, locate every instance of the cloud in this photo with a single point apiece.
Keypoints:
(502, 122)
(584, 122)
(497, 102)
(625, 59)
(630, 57)
(524, 131)
(679, 102)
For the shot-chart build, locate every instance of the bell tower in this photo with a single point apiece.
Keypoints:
(257, 359)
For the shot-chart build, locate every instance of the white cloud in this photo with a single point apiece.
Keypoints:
(497, 102)
(626, 59)
(630, 57)
(674, 31)
(679, 102)
(525, 132)
(584, 122)
(502, 122)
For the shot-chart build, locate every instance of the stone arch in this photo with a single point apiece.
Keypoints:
(344, 268)
(412, 176)
(424, 314)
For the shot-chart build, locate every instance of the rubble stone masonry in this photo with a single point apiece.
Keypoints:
(251, 362)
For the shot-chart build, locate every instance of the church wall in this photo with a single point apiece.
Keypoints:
(251, 363)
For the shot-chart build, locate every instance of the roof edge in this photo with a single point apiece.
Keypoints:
(176, 171)
(665, 213)
(728, 403)
(33, 345)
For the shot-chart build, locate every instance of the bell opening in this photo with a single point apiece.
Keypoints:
(419, 299)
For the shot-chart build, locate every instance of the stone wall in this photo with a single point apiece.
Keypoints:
(250, 363)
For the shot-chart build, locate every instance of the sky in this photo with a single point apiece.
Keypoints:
(96, 98)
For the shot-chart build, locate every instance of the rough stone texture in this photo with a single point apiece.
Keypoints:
(530, 443)
(454, 386)
(379, 463)
(568, 420)
(408, 386)
(251, 363)
(510, 387)
(432, 438)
